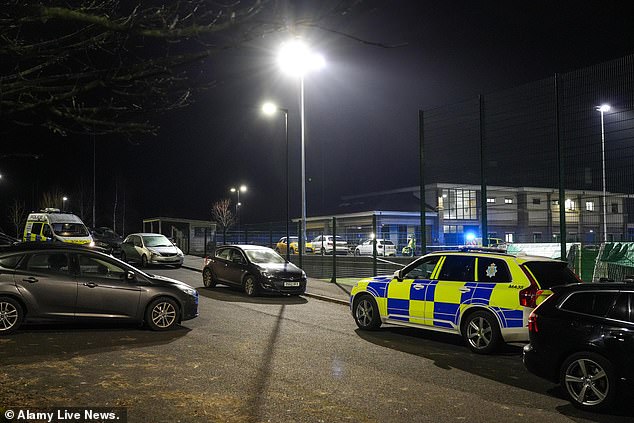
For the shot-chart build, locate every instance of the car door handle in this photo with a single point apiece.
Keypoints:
(30, 279)
(464, 289)
(419, 286)
(90, 284)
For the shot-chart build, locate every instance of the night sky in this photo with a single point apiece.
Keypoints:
(361, 109)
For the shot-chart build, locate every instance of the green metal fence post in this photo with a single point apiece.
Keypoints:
(483, 179)
(300, 243)
(334, 250)
(560, 165)
(421, 138)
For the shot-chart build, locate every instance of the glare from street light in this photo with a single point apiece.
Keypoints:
(243, 188)
(269, 108)
(232, 190)
(296, 59)
(64, 198)
(604, 108)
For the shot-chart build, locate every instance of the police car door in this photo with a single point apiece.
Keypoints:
(406, 297)
(450, 291)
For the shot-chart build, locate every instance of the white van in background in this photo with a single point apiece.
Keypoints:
(52, 225)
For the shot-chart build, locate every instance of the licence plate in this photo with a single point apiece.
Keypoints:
(291, 283)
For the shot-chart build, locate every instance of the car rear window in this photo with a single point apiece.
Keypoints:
(551, 273)
(10, 262)
(592, 303)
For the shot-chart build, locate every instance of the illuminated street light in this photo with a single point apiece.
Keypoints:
(237, 191)
(64, 199)
(602, 109)
(270, 109)
(295, 58)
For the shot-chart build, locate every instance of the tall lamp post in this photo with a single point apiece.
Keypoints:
(295, 58)
(270, 109)
(602, 109)
(237, 191)
(64, 200)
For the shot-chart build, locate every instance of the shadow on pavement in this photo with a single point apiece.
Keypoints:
(234, 295)
(448, 351)
(42, 342)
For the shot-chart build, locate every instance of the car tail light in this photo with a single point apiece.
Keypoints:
(532, 322)
(528, 295)
(206, 261)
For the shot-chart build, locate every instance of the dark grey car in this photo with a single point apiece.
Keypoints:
(39, 281)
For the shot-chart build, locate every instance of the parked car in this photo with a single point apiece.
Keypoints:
(255, 269)
(582, 337)
(483, 296)
(107, 239)
(147, 248)
(62, 281)
(323, 244)
(280, 247)
(384, 247)
(7, 240)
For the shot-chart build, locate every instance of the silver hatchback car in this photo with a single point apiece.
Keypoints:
(148, 248)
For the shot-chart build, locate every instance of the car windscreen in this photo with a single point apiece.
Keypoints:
(551, 273)
(387, 242)
(70, 229)
(156, 241)
(264, 256)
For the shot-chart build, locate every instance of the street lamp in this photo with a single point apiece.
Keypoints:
(237, 191)
(64, 199)
(269, 109)
(602, 109)
(295, 58)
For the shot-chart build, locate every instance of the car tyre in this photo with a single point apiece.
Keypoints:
(323, 251)
(162, 314)
(588, 380)
(208, 278)
(357, 252)
(144, 261)
(366, 313)
(11, 315)
(250, 286)
(481, 332)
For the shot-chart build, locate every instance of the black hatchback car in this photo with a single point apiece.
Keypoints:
(255, 269)
(58, 281)
(582, 337)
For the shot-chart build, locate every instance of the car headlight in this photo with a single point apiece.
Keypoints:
(190, 291)
(155, 253)
(267, 275)
(179, 253)
(92, 244)
(304, 275)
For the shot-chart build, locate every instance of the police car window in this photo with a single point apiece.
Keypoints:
(493, 270)
(70, 229)
(591, 303)
(458, 268)
(36, 228)
(622, 308)
(423, 269)
(47, 231)
(10, 262)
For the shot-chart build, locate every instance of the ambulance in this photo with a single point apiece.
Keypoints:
(51, 225)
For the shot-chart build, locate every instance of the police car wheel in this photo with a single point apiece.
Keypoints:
(481, 332)
(366, 313)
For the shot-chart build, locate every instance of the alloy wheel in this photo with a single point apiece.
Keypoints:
(364, 312)
(587, 382)
(479, 333)
(9, 316)
(163, 314)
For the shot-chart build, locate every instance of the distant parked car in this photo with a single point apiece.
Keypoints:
(254, 269)
(280, 247)
(384, 247)
(107, 239)
(147, 248)
(582, 337)
(58, 281)
(323, 244)
(6, 240)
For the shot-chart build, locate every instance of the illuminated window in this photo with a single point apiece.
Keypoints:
(508, 201)
(491, 200)
(459, 204)
(508, 237)
(590, 205)
(570, 205)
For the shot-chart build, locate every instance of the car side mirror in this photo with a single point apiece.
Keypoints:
(398, 275)
(130, 276)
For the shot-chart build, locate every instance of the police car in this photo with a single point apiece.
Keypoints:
(484, 296)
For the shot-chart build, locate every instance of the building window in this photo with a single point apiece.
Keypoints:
(537, 237)
(537, 201)
(459, 204)
(555, 202)
(490, 200)
(508, 237)
(589, 205)
(615, 207)
(570, 205)
(508, 201)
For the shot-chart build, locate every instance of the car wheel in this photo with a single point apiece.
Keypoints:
(11, 315)
(123, 257)
(250, 286)
(588, 380)
(366, 313)
(162, 314)
(323, 251)
(208, 278)
(143, 260)
(481, 332)
(357, 252)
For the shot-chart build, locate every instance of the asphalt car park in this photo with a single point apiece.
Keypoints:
(276, 358)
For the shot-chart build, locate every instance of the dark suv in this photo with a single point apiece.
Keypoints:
(61, 281)
(582, 337)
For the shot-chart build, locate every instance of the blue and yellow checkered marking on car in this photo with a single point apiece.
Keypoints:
(441, 303)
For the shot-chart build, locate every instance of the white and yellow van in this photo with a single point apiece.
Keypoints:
(52, 225)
